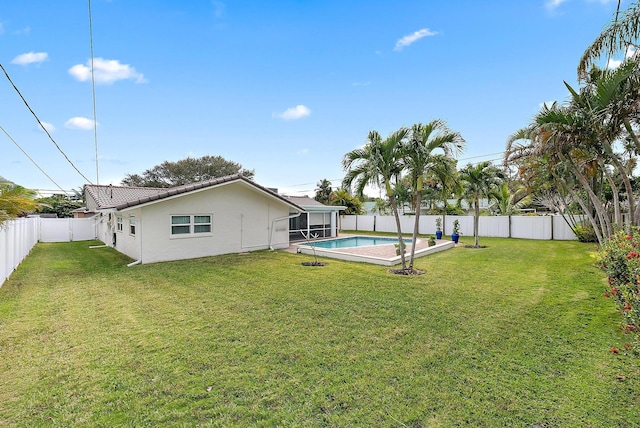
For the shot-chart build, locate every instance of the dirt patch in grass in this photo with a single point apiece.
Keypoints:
(313, 264)
(408, 272)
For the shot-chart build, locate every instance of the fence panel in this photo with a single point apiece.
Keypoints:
(531, 227)
(365, 222)
(561, 230)
(17, 238)
(526, 227)
(494, 226)
(67, 229)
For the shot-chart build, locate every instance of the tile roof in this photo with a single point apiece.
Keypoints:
(121, 197)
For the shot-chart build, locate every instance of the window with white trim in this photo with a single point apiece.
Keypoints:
(119, 223)
(132, 225)
(190, 224)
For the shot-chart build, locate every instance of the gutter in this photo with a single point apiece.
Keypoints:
(273, 225)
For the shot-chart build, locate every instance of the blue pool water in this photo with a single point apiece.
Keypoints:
(357, 241)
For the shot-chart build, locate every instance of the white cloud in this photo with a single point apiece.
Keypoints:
(360, 83)
(615, 63)
(412, 38)
(48, 126)
(303, 152)
(218, 8)
(553, 4)
(293, 113)
(30, 58)
(106, 71)
(78, 122)
(25, 30)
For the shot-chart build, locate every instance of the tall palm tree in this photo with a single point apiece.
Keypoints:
(14, 201)
(478, 182)
(378, 163)
(507, 201)
(419, 156)
(623, 32)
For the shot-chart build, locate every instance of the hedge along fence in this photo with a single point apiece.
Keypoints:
(18, 237)
(526, 227)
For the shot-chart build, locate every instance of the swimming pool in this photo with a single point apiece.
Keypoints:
(356, 241)
(369, 249)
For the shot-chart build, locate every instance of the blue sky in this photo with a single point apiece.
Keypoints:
(282, 87)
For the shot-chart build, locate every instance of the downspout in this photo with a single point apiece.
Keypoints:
(137, 262)
(273, 223)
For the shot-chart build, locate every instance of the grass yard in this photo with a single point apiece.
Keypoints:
(516, 334)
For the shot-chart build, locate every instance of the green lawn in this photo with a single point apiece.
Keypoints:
(516, 334)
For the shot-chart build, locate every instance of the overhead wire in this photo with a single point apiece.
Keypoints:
(93, 93)
(31, 159)
(41, 125)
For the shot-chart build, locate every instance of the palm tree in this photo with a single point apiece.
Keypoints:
(14, 201)
(378, 163)
(340, 197)
(507, 201)
(623, 31)
(444, 175)
(478, 182)
(565, 138)
(419, 157)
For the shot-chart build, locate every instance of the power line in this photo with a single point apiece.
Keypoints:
(41, 125)
(29, 157)
(93, 92)
(482, 156)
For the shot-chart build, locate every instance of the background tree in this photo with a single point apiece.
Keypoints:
(323, 191)
(478, 182)
(15, 201)
(508, 201)
(186, 171)
(378, 163)
(340, 197)
(59, 204)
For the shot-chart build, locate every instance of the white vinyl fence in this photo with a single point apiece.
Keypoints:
(527, 227)
(18, 237)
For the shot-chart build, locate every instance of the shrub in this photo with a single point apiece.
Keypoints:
(619, 257)
(585, 233)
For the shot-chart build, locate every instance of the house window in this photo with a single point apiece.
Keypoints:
(119, 223)
(190, 224)
(132, 225)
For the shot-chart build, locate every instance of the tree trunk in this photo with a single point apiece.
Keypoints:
(476, 220)
(416, 226)
(595, 201)
(616, 199)
(394, 207)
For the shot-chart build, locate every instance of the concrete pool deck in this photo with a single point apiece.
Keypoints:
(384, 255)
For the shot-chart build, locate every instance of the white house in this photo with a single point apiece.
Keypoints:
(229, 214)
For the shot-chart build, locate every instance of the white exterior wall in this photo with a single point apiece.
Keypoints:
(241, 217)
(125, 242)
